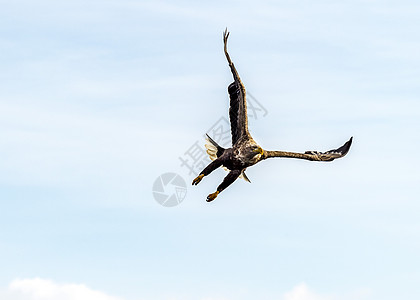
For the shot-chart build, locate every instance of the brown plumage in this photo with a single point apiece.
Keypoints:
(245, 152)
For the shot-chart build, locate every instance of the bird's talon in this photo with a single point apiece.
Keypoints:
(198, 179)
(213, 196)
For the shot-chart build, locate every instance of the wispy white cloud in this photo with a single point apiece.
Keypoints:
(302, 292)
(215, 298)
(43, 289)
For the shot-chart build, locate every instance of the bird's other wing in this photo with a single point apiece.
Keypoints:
(313, 155)
(237, 111)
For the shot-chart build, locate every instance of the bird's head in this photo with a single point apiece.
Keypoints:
(258, 150)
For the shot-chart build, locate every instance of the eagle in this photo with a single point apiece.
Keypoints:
(245, 152)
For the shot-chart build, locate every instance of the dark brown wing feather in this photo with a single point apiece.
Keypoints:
(313, 155)
(332, 154)
(237, 111)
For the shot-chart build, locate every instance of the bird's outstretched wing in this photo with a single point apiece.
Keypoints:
(237, 111)
(313, 155)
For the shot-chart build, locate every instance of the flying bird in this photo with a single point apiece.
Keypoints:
(245, 152)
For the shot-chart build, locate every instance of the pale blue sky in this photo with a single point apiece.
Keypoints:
(99, 98)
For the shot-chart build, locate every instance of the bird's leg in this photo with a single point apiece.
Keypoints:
(229, 179)
(212, 196)
(197, 179)
(207, 170)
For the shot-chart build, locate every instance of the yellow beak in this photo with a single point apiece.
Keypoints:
(259, 150)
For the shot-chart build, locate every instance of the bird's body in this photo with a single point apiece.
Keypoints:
(245, 152)
(241, 156)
